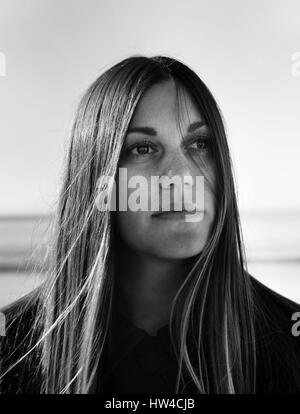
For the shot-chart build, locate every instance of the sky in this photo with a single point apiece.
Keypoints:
(53, 49)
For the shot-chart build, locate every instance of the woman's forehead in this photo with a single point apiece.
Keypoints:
(162, 103)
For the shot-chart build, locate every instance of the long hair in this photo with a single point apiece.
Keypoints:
(212, 315)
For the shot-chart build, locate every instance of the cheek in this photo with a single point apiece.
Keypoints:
(209, 195)
(134, 228)
(210, 204)
(133, 190)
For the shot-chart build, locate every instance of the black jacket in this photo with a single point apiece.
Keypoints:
(140, 363)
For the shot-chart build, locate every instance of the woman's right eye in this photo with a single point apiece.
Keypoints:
(140, 150)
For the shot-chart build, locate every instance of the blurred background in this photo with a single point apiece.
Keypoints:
(246, 52)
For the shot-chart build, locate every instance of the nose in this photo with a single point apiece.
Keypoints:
(177, 172)
(176, 164)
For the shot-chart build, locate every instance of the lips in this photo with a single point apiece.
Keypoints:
(175, 211)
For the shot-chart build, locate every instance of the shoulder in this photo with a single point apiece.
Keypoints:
(277, 343)
(21, 307)
(270, 296)
(19, 316)
(20, 331)
(273, 307)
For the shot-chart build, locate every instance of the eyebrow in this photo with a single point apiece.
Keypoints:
(151, 131)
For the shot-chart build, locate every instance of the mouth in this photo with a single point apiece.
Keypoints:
(176, 215)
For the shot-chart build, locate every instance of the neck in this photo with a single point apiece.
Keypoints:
(146, 286)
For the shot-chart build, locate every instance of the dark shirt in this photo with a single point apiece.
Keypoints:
(136, 362)
(148, 360)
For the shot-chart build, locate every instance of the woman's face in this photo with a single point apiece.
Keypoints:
(165, 153)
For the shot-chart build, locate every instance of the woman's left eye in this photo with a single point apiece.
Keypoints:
(200, 144)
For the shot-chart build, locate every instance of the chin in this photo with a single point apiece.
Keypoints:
(184, 251)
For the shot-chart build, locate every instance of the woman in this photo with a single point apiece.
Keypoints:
(141, 300)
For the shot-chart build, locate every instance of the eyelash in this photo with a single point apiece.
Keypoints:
(147, 143)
